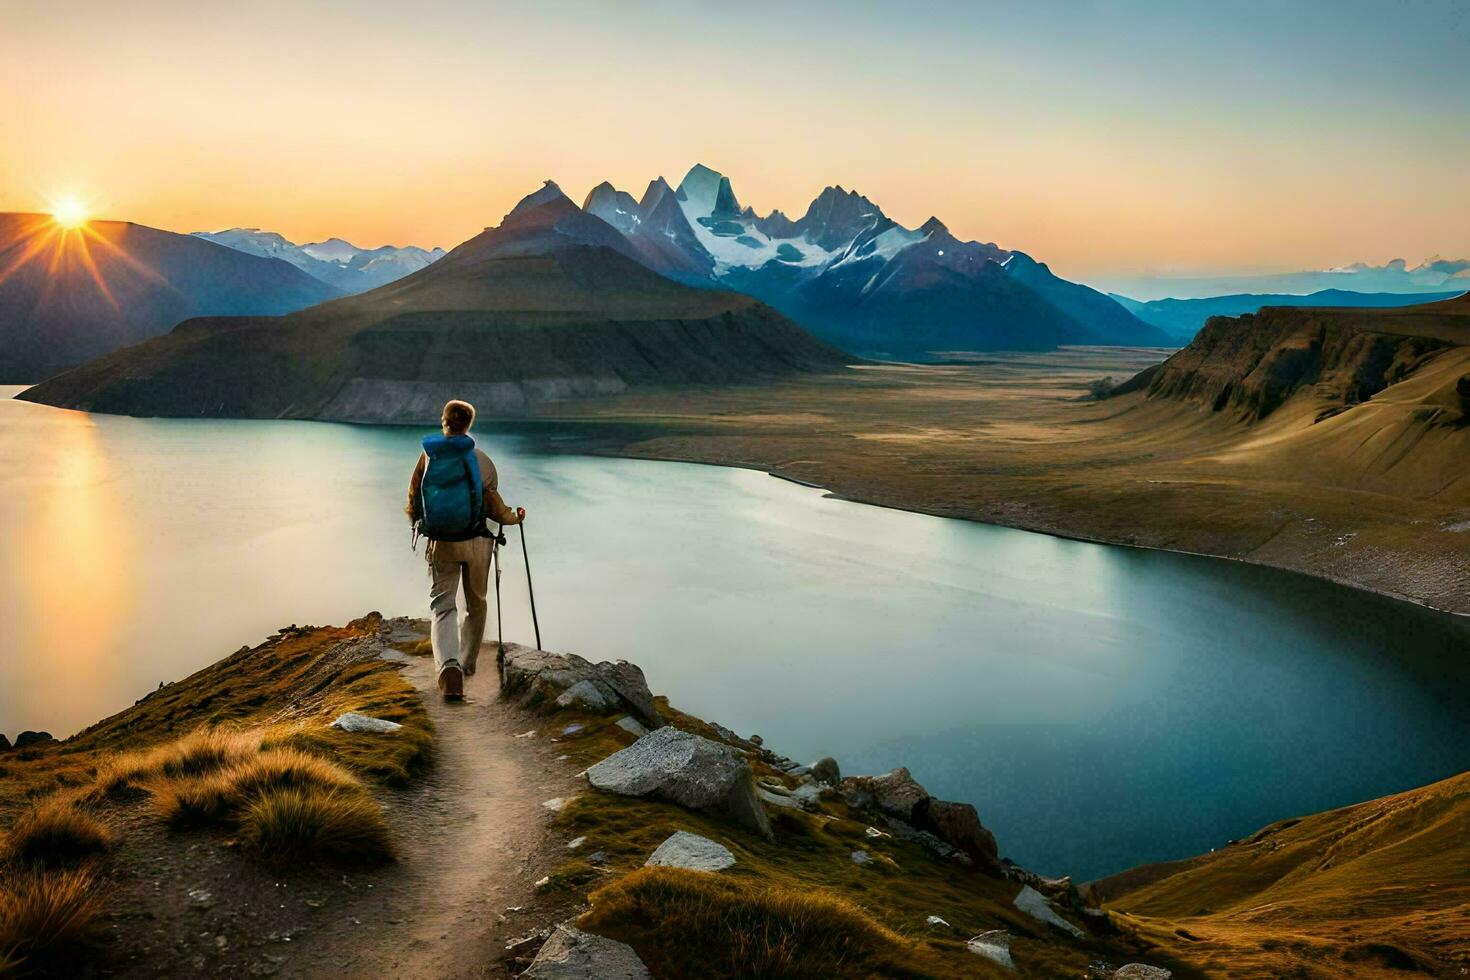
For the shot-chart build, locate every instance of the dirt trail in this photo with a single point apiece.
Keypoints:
(472, 843)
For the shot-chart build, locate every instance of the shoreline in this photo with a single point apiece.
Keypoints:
(1049, 532)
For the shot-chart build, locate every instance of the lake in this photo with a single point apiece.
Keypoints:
(1101, 706)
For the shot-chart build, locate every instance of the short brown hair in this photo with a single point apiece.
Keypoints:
(459, 416)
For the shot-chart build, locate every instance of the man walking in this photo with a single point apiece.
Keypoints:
(453, 490)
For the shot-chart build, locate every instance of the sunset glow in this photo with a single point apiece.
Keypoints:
(68, 212)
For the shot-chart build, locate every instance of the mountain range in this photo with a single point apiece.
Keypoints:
(336, 262)
(1433, 275)
(858, 279)
(1182, 318)
(553, 303)
(68, 295)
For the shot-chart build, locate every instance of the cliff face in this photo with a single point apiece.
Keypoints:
(1249, 366)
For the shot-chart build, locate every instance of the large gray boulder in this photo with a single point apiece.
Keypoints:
(567, 679)
(686, 769)
(685, 850)
(825, 770)
(571, 954)
(955, 826)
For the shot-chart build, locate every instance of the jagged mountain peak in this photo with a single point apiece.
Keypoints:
(548, 193)
(705, 193)
(933, 226)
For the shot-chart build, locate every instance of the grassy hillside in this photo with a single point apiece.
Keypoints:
(1379, 888)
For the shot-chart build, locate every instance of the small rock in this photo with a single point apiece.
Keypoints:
(860, 857)
(543, 882)
(757, 741)
(201, 898)
(826, 771)
(354, 722)
(27, 739)
(935, 922)
(586, 694)
(958, 825)
(528, 945)
(571, 954)
(1142, 971)
(530, 734)
(597, 857)
(572, 729)
(630, 724)
(555, 804)
(994, 945)
(785, 800)
(575, 843)
(685, 850)
(1034, 904)
(875, 833)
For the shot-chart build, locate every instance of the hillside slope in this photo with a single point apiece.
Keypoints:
(69, 295)
(1382, 886)
(551, 304)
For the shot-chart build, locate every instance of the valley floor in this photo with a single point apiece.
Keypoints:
(1014, 439)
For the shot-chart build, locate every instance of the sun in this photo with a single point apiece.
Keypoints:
(68, 212)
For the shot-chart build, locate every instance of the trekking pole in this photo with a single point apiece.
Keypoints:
(495, 561)
(530, 589)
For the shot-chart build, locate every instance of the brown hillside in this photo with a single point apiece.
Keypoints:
(1382, 887)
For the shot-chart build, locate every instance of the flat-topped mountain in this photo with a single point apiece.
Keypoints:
(860, 280)
(553, 303)
(1182, 318)
(1250, 366)
(71, 294)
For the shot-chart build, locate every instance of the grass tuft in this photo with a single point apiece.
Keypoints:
(56, 832)
(286, 768)
(312, 823)
(691, 923)
(43, 910)
(206, 751)
(203, 802)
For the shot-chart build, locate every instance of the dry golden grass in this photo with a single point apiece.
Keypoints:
(56, 832)
(41, 910)
(313, 823)
(1379, 886)
(691, 923)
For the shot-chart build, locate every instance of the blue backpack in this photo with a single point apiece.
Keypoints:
(451, 497)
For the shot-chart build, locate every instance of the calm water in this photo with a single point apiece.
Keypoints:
(1101, 706)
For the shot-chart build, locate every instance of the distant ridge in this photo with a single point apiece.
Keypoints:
(69, 296)
(551, 304)
(1182, 318)
(338, 263)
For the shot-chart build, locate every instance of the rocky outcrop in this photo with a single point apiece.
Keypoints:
(949, 829)
(686, 769)
(685, 850)
(27, 739)
(571, 954)
(565, 679)
(1249, 366)
(4, 742)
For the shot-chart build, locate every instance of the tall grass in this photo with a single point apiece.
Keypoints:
(55, 832)
(44, 910)
(691, 923)
(313, 823)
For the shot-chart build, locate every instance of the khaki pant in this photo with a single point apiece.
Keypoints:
(453, 565)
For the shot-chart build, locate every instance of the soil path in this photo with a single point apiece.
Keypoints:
(472, 834)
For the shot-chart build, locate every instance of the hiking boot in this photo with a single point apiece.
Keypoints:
(451, 681)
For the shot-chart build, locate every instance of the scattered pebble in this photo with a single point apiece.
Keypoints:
(860, 857)
(575, 843)
(555, 805)
(530, 734)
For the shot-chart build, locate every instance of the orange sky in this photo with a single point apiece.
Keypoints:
(1108, 138)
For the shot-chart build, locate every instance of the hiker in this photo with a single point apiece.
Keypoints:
(453, 491)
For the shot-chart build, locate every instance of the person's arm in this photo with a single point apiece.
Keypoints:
(496, 508)
(414, 483)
